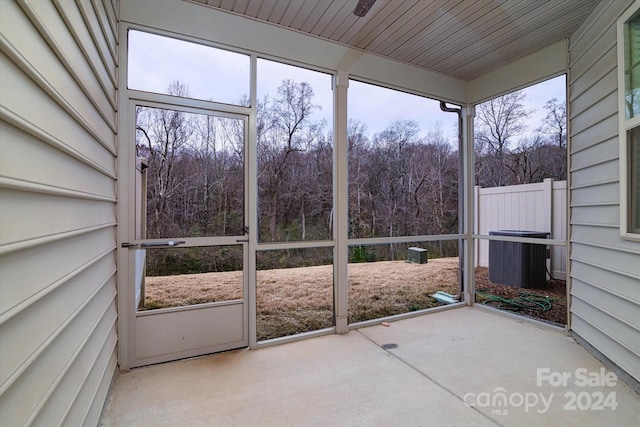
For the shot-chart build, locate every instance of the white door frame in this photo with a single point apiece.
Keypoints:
(168, 334)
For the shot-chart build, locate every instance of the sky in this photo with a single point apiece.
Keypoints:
(223, 76)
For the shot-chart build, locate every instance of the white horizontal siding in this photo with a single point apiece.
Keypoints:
(37, 381)
(594, 274)
(621, 355)
(25, 333)
(583, 234)
(601, 150)
(625, 312)
(29, 151)
(61, 258)
(72, 403)
(586, 196)
(94, 24)
(600, 90)
(604, 268)
(600, 46)
(594, 111)
(38, 55)
(595, 214)
(594, 134)
(595, 171)
(595, 72)
(103, 77)
(57, 210)
(49, 214)
(623, 262)
(20, 94)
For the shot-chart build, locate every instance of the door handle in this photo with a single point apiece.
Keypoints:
(153, 244)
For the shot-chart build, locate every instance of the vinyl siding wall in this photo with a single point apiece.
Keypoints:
(605, 268)
(57, 210)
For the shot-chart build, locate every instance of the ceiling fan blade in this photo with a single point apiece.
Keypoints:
(362, 8)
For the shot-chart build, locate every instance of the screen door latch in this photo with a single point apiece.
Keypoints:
(153, 244)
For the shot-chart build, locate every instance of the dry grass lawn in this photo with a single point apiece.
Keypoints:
(295, 300)
(392, 287)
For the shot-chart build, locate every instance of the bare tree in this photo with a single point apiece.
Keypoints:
(286, 133)
(161, 134)
(555, 126)
(216, 166)
(440, 197)
(555, 122)
(499, 121)
(524, 161)
(360, 218)
(507, 156)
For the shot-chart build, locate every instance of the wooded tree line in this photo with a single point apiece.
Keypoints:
(507, 155)
(401, 181)
(194, 183)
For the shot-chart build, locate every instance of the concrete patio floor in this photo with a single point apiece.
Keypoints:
(461, 367)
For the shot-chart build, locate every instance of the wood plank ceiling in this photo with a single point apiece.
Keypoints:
(460, 38)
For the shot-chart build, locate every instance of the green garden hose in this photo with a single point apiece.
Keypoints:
(526, 301)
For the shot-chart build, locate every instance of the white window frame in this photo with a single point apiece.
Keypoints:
(624, 126)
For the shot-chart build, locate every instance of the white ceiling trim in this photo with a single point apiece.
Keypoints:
(536, 67)
(274, 42)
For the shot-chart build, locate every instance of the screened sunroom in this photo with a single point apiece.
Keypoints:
(295, 203)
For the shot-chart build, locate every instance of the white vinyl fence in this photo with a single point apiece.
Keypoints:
(538, 207)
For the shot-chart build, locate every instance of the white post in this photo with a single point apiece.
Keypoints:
(251, 175)
(341, 204)
(547, 195)
(476, 225)
(470, 205)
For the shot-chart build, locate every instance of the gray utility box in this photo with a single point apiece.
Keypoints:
(417, 255)
(521, 265)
